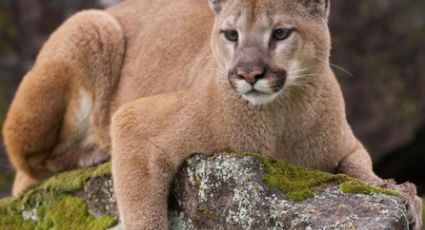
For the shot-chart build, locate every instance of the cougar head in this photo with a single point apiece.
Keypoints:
(264, 46)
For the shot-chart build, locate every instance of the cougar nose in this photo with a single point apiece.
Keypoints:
(251, 76)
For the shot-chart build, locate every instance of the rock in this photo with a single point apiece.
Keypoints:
(225, 191)
(232, 191)
(379, 42)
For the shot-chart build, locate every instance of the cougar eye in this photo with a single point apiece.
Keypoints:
(231, 35)
(282, 34)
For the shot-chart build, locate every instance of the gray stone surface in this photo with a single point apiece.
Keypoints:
(227, 192)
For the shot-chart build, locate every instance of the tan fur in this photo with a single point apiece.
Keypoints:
(178, 94)
(62, 105)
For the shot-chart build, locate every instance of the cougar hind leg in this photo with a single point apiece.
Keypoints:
(59, 118)
(22, 182)
(33, 123)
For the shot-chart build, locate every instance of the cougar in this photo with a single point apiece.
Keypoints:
(148, 83)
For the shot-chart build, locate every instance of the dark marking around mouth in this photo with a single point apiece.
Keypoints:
(278, 80)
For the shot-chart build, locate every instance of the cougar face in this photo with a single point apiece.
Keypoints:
(265, 46)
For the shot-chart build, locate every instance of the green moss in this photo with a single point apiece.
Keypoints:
(75, 217)
(51, 211)
(72, 180)
(298, 183)
(355, 186)
(51, 205)
(10, 217)
(13, 222)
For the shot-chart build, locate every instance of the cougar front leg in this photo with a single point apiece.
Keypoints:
(147, 149)
(142, 176)
(358, 164)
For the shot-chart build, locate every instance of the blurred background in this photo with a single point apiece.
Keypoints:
(378, 56)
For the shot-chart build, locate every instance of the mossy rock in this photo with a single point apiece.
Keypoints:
(236, 191)
(298, 183)
(252, 191)
(55, 204)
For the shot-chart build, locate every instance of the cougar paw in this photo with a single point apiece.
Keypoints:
(93, 156)
(412, 201)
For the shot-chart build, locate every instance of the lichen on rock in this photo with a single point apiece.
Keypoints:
(230, 191)
(224, 191)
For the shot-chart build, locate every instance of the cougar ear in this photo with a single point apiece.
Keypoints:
(216, 5)
(318, 7)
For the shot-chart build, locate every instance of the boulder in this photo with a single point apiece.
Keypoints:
(379, 43)
(223, 191)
